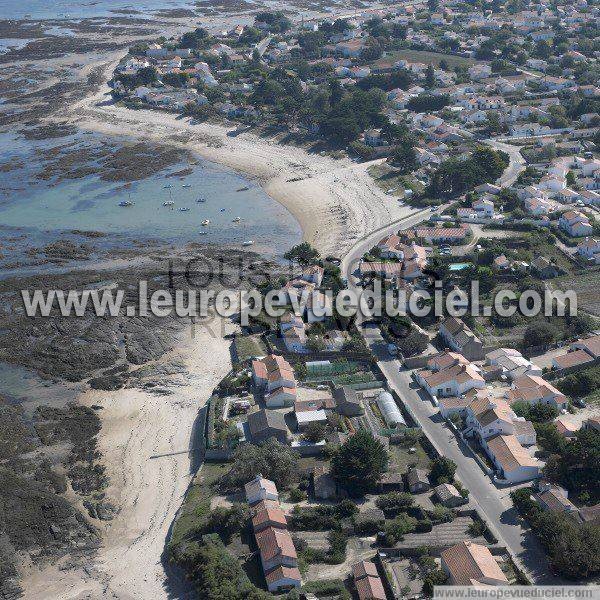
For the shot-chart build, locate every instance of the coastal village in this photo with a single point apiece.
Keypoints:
(376, 459)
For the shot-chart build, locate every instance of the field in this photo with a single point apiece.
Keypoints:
(425, 57)
(586, 287)
(196, 505)
(401, 458)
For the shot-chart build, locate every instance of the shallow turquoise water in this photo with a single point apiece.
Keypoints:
(53, 9)
(48, 208)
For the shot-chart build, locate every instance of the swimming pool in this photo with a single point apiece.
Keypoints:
(458, 266)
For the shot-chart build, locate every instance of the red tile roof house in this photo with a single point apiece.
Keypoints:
(590, 345)
(283, 578)
(488, 417)
(555, 499)
(264, 368)
(472, 564)
(453, 381)
(367, 581)
(572, 360)
(513, 462)
(535, 390)
(387, 270)
(444, 360)
(276, 375)
(276, 548)
(261, 489)
(566, 428)
(460, 338)
(269, 516)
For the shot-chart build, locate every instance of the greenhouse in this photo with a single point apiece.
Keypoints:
(389, 410)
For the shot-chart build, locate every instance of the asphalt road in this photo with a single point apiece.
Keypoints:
(493, 502)
(517, 162)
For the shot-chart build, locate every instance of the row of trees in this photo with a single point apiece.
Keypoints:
(573, 548)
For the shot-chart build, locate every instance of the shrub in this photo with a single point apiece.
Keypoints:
(442, 467)
(394, 502)
(297, 495)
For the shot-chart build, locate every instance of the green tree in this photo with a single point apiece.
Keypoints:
(217, 574)
(437, 577)
(359, 463)
(194, 39)
(315, 432)
(493, 124)
(540, 333)
(267, 91)
(303, 253)
(430, 76)
(442, 468)
(549, 438)
(397, 528)
(394, 502)
(404, 158)
(274, 460)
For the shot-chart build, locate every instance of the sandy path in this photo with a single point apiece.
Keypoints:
(145, 441)
(335, 201)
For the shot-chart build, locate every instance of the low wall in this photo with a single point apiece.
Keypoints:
(416, 362)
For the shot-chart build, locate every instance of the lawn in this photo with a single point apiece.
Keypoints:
(388, 179)
(196, 505)
(401, 458)
(249, 346)
(425, 56)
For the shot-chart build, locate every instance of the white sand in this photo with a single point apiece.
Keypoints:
(335, 201)
(137, 428)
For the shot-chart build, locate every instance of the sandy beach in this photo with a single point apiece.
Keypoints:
(148, 447)
(145, 438)
(335, 201)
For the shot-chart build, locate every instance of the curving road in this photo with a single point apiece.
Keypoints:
(494, 503)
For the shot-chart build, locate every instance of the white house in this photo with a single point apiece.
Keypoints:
(261, 489)
(283, 578)
(513, 462)
(470, 564)
(575, 223)
(512, 362)
(454, 381)
(589, 249)
(535, 390)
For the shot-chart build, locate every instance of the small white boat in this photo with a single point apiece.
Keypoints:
(186, 185)
(168, 203)
(184, 209)
(126, 203)
(203, 233)
(201, 200)
(237, 220)
(206, 222)
(222, 210)
(167, 187)
(248, 243)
